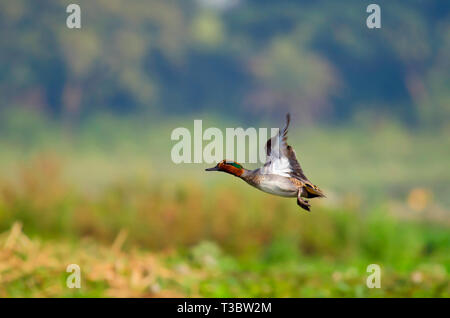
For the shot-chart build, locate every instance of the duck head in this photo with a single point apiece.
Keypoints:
(228, 166)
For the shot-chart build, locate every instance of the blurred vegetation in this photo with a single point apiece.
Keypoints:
(372, 160)
(187, 238)
(255, 58)
(85, 169)
(140, 226)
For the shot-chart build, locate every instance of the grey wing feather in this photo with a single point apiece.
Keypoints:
(297, 169)
(281, 158)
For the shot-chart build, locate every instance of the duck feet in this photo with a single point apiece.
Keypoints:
(304, 204)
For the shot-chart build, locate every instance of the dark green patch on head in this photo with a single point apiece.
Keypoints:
(234, 164)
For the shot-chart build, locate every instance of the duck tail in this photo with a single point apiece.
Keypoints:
(313, 191)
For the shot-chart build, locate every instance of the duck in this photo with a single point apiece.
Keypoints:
(281, 174)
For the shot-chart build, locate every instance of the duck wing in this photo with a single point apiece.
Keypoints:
(281, 158)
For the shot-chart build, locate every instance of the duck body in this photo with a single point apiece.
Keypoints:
(271, 183)
(281, 175)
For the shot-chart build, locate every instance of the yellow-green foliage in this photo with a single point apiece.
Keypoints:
(194, 237)
(107, 197)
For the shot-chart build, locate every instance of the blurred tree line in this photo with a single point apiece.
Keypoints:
(238, 57)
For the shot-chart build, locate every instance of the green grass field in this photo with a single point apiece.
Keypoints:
(111, 202)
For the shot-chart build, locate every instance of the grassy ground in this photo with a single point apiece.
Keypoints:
(137, 226)
(195, 239)
(35, 268)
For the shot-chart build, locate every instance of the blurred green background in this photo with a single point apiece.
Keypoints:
(86, 175)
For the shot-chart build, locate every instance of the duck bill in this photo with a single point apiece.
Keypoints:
(212, 169)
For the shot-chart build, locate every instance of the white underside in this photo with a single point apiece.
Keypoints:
(278, 186)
